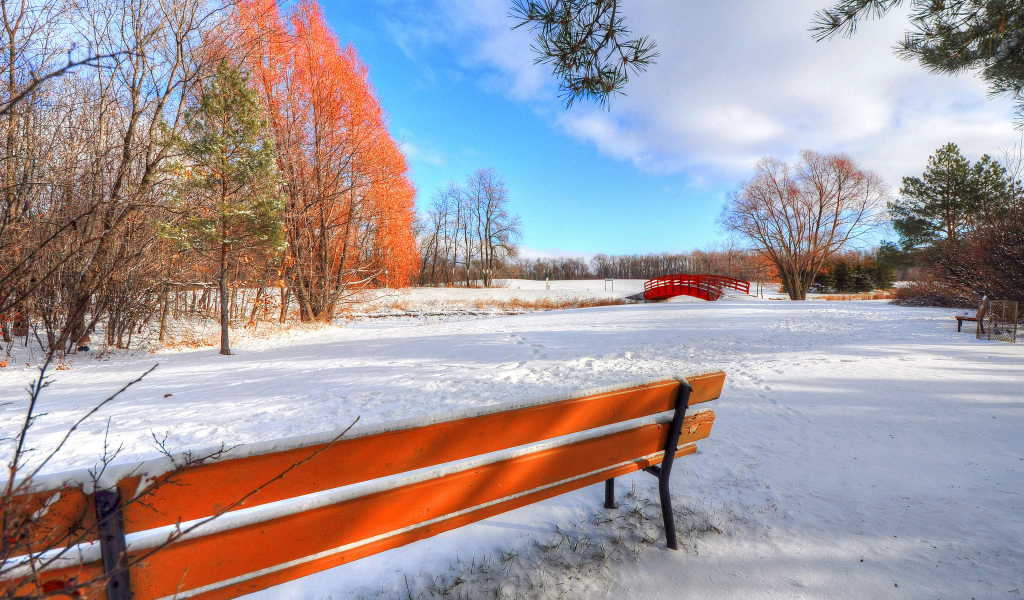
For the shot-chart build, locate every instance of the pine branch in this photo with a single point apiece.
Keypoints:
(587, 44)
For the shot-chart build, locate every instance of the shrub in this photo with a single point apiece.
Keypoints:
(935, 293)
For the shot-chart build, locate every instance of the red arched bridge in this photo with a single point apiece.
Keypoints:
(705, 287)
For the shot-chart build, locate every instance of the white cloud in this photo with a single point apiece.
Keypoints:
(736, 80)
(429, 156)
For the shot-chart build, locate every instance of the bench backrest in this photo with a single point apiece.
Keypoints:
(377, 488)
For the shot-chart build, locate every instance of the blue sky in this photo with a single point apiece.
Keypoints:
(734, 83)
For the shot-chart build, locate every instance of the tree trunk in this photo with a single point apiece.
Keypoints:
(74, 330)
(20, 325)
(163, 311)
(255, 307)
(793, 284)
(286, 298)
(225, 345)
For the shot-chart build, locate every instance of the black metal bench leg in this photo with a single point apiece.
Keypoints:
(609, 493)
(666, 513)
(959, 325)
(113, 545)
(682, 403)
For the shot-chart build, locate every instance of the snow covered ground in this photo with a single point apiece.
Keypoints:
(861, 450)
(496, 299)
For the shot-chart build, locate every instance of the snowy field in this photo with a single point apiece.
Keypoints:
(461, 300)
(861, 450)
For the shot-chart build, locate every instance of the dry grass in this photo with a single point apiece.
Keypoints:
(205, 333)
(518, 304)
(876, 295)
(190, 339)
(195, 330)
(398, 306)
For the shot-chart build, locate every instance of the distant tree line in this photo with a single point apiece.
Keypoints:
(731, 262)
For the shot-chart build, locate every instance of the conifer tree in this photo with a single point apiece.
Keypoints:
(842, 275)
(948, 199)
(230, 198)
(862, 280)
(882, 276)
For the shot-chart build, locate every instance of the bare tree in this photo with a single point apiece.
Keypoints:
(798, 216)
(497, 230)
(469, 232)
(437, 241)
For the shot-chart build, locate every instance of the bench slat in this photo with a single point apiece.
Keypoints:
(202, 491)
(316, 565)
(706, 387)
(64, 515)
(311, 567)
(201, 561)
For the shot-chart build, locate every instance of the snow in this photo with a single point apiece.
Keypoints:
(847, 431)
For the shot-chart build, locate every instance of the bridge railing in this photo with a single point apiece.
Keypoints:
(729, 282)
(707, 287)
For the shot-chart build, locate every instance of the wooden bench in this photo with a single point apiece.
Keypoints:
(377, 488)
(960, 321)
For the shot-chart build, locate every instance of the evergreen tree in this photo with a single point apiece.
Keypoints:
(893, 257)
(229, 200)
(843, 276)
(882, 275)
(862, 281)
(948, 199)
(825, 281)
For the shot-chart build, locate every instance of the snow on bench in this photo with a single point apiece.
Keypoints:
(376, 488)
(962, 316)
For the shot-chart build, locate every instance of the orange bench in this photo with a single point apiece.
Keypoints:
(376, 488)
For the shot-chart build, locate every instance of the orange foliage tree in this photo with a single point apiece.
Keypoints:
(350, 205)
